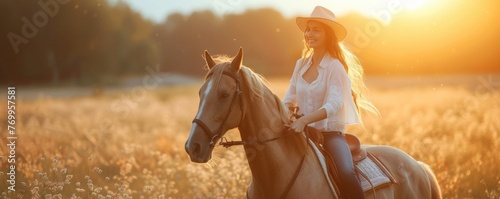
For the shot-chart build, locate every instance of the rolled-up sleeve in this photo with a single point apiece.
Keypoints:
(337, 81)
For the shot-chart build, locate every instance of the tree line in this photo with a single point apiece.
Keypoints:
(56, 40)
(86, 42)
(96, 42)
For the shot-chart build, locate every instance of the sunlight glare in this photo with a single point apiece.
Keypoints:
(414, 4)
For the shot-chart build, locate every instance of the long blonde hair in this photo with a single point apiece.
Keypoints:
(352, 65)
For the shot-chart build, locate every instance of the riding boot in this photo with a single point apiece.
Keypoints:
(336, 145)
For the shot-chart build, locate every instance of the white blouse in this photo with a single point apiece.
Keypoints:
(331, 90)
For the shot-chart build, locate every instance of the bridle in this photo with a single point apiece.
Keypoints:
(218, 133)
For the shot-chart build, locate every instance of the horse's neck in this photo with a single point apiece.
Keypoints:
(274, 162)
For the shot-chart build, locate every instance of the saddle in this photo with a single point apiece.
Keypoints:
(371, 172)
(357, 152)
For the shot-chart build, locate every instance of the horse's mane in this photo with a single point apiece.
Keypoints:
(255, 84)
(256, 87)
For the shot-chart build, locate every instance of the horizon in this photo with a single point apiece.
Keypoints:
(157, 11)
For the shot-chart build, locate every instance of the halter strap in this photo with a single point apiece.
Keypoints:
(218, 133)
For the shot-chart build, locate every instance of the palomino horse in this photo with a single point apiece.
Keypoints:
(282, 164)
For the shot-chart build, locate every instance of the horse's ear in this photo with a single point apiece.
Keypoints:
(237, 61)
(208, 59)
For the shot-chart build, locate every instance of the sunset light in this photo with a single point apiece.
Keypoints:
(415, 4)
(216, 98)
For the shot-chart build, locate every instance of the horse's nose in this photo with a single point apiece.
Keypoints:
(196, 146)
(193, 149)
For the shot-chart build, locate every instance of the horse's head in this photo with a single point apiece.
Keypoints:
(220, 107)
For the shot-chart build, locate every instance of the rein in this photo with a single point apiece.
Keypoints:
(218, 133)
(223, 142)
(228, 144)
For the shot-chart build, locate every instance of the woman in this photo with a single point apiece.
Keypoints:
(326, 84)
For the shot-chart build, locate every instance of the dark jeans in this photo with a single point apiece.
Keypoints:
(337, 147)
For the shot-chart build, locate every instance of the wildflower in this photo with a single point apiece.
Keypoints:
(148, 188)
(35, 190)
(80, 190)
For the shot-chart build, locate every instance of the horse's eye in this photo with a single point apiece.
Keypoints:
(224, 95)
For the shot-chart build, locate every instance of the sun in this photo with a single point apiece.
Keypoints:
(414, 4)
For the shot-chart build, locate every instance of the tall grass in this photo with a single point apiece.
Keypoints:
(128, 145)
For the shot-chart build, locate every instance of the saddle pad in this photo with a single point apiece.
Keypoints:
(371, 170)
(367, 166)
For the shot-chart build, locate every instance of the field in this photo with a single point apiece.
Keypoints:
(130, 144)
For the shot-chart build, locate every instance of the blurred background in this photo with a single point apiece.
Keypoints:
(120, 79)
(99, 42)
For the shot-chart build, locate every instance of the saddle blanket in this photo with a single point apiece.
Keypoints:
(374, 174)
(368, 167)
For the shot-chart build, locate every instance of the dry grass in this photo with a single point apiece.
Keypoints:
(132, 145)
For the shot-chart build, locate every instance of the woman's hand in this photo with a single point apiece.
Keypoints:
(298, 125)
(290, 107)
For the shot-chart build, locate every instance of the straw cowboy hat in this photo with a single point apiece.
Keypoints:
(325, 16)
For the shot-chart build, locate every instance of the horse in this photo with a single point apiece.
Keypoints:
(282, 164)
